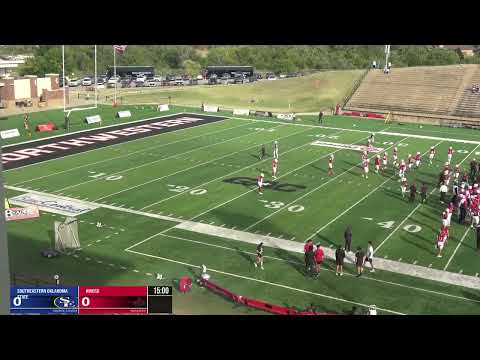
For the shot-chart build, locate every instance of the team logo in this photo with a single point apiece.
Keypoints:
(63, 302)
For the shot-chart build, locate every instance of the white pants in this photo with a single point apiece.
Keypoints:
(449, 217)
(445, 222)
(417, 163)
(449, 158)
(475, 220)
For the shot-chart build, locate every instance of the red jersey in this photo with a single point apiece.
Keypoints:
(432, 151)
(441, 237)
(402, 167)
(274, 163)
(319, 254)
(450, 151)
(365, 163)
(405, 183)
(444, 215)
(384, 157)
(377, 161)
(260, 179)
(417, 157)
(307, 247)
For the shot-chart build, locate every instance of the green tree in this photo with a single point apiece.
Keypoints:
(192, 68)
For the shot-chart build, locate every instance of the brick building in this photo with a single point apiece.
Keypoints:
(31, 91)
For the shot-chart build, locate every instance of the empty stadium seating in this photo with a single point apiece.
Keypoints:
(420, 90)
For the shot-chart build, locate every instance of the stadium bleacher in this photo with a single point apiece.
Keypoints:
(441, 90)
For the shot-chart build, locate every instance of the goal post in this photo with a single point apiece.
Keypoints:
(387, 118)
(95, 85)
(66, 234)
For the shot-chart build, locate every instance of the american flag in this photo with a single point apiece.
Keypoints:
(120, 49)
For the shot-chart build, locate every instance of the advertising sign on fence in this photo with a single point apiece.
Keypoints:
(210, 108)
(93, 119)
(289, 117)
(29, 212)
(6, 134)
(125, 113)
(241, 112)
(163, 107)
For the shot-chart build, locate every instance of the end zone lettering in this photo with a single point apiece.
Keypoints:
(24, 154)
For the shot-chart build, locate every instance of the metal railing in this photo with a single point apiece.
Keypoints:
(356, 85)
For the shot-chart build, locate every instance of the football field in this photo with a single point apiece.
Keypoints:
(172, 201)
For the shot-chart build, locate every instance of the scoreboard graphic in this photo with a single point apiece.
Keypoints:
(94, 300)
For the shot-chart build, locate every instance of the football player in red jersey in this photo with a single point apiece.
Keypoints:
(410, 160)
(365, 168)
(377, 163)
(450, 154)
(418, 158)
(395, 156)
(401, 169)
(445, 218)
(385, 160)
(330, 165)
(274, 168)
(440, 243)
(404, 186)
(449, 213)
(260, 180)
(431, 155)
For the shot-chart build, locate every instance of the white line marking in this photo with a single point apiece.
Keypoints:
(254, 189)
(231, 173)
(456, 249)
(111, 264)
(267, 282)
(87, 259)
(135, 270)
(149, 274)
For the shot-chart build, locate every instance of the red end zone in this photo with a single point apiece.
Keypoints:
(16, 156)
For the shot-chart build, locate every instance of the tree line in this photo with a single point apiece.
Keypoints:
(191, 59)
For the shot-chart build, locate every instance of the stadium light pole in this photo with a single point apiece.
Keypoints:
(64, 80)
(115, 76)
(4, 261)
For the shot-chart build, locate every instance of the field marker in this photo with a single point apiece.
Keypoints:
(266, 282)
(367, 218)
(166, 158)
(107, 237)
(149, 274)
(308, 193)
(456, 249)
(119, 144)
(96, 241)
(135, 270)
(123, 268)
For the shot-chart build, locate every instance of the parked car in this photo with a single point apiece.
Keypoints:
(87, 81)
(152, 83)
(282, 76)
(199, 77)
(139, 83)
(100, 81)
(74, 82)
(239, 78)
(270, 76)
(112, 81)
(141, 78)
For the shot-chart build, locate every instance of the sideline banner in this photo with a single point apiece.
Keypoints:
(289, 117)
(125, 113)
(30, 212)
(163, 107)
(93, 119)
(7, 134)
(241, 112)
(210, 108)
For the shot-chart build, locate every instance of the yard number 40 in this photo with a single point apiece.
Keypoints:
(411, 228)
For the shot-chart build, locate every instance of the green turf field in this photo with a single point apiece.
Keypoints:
(207, 175)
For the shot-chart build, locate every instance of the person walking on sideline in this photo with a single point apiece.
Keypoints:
(413, 192)
(423, 192)
(348, 238)
(369, 257)
(26, 125)
(263, 152)
(359, 260)
(306, 248)
(320, 117)
(339, 258)
(319, 254)
(443, 192)
(259, 256)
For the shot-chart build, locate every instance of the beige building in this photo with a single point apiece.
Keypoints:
(31, 91)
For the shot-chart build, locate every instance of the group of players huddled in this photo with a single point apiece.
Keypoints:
(466, 190)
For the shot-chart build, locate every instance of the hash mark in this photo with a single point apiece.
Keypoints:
(75, 255)
(98, 241)
(123, 267)
(111, 265)
(87, 259)
(149, 274)
(135, 270)
(99, 261)
(107, 237)
(116, 233)
(89, 244)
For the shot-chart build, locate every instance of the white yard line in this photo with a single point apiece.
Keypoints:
(133, 152)
(383, 132)
(308, 193)
(236, 171)
(358, 202)
(456, 249)
(265, 282)
(163, 159)
(254, 189)
(416, 208)
(179, 171)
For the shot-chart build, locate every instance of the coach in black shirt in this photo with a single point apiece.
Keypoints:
(339, 257)
(348, 238)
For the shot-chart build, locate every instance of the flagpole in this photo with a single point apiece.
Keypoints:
(115, 76)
